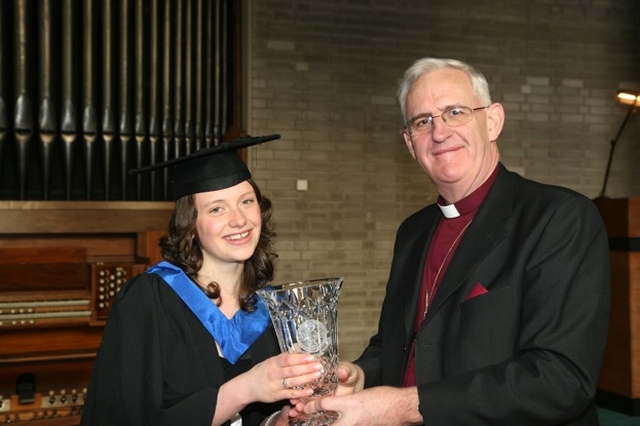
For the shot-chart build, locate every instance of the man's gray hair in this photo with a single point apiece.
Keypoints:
(426, 65)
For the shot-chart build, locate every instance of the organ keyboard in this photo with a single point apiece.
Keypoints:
(61, 265)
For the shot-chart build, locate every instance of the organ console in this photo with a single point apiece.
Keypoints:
(61, 264)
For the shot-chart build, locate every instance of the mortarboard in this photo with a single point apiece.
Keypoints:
(209, 169)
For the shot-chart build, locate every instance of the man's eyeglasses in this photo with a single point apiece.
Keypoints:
(456, 116)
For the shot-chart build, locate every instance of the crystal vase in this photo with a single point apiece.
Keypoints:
(305, 318)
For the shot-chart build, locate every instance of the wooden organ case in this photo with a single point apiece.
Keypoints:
(61, 264)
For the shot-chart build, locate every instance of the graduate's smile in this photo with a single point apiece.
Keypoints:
(238, 237)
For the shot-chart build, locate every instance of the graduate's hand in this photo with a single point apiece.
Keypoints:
(277, 377)
(350, 380)
(274, 379)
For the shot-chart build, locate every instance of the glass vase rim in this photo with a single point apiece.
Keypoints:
(300, 284)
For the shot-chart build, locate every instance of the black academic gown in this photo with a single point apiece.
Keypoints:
(157, 365)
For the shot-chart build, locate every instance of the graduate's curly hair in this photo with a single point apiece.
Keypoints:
(181, 248)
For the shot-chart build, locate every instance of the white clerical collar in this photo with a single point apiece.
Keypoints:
(449, 211)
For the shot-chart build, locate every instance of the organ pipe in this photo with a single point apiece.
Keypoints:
(92, 88)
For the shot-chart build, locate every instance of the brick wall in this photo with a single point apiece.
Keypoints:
(323, 74)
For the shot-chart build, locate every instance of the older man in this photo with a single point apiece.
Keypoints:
(497, 304)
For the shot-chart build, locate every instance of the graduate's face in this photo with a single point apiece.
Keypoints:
(228, 223)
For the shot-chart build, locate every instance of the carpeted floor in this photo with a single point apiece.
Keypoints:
(613, 418)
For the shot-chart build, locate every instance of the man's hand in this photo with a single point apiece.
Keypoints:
(378, 406)
(350, 378)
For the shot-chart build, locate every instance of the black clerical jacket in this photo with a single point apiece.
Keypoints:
(517, 330)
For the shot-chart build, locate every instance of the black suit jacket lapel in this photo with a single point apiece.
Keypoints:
(415, 261)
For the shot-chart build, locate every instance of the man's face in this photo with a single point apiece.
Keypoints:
(456, 158)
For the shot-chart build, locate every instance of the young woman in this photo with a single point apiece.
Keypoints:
(189, 342)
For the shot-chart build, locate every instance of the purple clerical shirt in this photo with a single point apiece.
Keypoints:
(443, 245)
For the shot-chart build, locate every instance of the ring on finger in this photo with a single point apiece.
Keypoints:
(284, 384)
